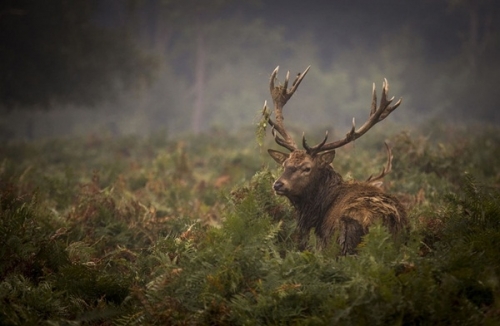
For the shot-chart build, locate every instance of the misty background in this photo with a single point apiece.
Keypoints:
(114, 67)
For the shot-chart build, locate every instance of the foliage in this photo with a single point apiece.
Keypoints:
(153, 231)
(57, 52)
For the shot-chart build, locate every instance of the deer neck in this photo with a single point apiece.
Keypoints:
(313, 206)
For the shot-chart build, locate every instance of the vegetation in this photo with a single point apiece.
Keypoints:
(58, 53)
(149, 231)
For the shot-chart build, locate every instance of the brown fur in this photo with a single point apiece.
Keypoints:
(325, 202)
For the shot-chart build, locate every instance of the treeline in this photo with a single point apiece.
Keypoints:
(190, 65)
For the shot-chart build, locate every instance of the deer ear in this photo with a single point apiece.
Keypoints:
(378, 184)
(278, 156)
(327, 157)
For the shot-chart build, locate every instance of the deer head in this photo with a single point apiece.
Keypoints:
(304, 167)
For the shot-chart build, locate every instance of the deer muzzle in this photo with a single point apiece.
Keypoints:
(279, 187)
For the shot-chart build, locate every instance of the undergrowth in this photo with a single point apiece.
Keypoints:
(162, 232)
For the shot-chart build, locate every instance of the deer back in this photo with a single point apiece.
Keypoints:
(365, 204)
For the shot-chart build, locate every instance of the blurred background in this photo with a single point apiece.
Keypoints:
(120, 67)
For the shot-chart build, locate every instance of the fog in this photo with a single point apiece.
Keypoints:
(181, 67)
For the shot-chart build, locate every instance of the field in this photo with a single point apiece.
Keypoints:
(165, 231)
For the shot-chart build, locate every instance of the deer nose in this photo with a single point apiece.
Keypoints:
(278, 185)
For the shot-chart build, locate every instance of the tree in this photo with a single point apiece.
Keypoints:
(57, 51)
(470, 79)
(479, 34)
(198, 27)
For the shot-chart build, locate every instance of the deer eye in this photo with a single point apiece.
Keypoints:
(306, 169)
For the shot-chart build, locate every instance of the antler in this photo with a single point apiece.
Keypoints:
(280, 95)
(386, 169)
(377, 114)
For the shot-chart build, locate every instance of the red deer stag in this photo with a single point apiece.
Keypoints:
(323, 200)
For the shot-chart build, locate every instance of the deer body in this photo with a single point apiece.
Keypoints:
(326, 203)
(323, 200)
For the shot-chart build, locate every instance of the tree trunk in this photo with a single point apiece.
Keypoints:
(473, 48)
(199, 89)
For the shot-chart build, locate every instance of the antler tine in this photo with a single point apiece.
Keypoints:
(377, 114)
(285, 86)
(374, 100)
(389, 109)
(282, 142)
(386, 169)
(298, 80)
(315, 149)
(273, 77)
(277, 138)
(280, 95)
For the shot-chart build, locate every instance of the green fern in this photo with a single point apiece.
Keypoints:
(468, 249)
(260, 131)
